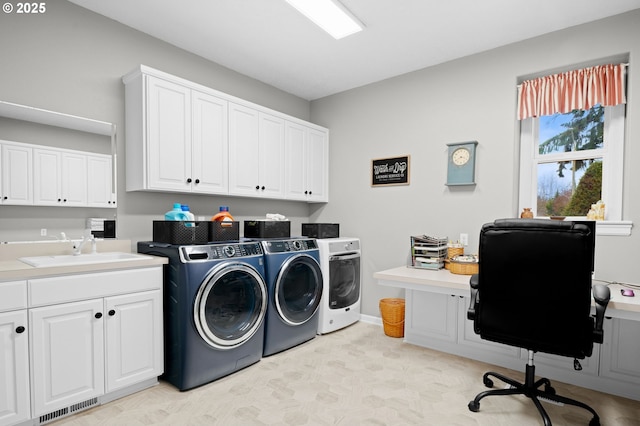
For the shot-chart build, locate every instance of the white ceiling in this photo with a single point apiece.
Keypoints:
(271, 42)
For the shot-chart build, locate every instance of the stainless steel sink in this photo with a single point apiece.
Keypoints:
(81, 259)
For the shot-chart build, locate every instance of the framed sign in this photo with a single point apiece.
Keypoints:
(390, 171)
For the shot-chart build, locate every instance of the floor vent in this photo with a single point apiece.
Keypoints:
(67, 411)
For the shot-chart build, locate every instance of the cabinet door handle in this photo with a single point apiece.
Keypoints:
(112, 312)
(197, 180)
(257, 186)
(98, 315)
(20, 329)
(188, 180)
(262, 188)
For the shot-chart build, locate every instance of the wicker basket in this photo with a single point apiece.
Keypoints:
(454, 251)
(392, 311)
(463, 268)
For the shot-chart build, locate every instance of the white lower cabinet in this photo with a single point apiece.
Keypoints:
(77, 341)
(67, 354)
(432, 317)
(438, 320)
(620, 357)
(134, 338)
(14, 367)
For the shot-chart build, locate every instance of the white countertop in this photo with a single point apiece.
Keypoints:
(443, 281)
(13, 269)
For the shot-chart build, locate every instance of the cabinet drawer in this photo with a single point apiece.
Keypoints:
(13, 295)
(67, 288)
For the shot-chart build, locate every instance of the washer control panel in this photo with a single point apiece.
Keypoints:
(286, 246)
(219, 251)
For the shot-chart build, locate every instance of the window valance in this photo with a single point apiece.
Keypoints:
(577, 89)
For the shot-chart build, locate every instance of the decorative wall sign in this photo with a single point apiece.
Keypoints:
(390, 171)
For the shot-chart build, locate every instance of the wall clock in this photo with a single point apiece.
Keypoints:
(461, 163)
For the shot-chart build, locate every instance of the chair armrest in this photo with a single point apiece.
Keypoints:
(474, 283)
(601, 295)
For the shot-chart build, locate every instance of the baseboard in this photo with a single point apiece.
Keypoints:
(370, 319)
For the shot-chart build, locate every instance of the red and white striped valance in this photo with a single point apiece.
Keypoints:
(578, 89)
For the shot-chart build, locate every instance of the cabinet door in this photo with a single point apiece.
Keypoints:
(306, 163)
(168, 155)
(47, 177)
(134, 338)
(67, 354)
(74, 179)
(318, 166)
(620, 352)
(17, 174)
(244, 151)
(210, 172)
(271, 156)
(430, 317)
(100, 191)
(296, 161)
(14, 368)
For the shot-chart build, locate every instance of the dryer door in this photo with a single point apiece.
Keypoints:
(344, 280)
(230, 305)
(298, 289)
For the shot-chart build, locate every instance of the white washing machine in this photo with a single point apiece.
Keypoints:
(340, 265)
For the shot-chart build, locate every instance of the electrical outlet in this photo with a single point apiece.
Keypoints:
(464, 239)
(43, 232)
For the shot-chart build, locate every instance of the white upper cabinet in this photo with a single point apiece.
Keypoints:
(168, 152)
(17, 174)
(306, 163)
(184, 137)
(209, 147)
(42, 176)
(60, 178)
(318, 165)
(256, 153)
(176, 138)
(100, 189)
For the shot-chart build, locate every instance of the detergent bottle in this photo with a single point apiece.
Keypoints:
(223, 215)
(191, 217)
(176, 213)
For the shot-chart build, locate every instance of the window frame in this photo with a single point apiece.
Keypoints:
(612, 169)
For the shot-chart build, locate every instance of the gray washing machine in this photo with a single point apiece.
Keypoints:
(215, 302)
(294, 283)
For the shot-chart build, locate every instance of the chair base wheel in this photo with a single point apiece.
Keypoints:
(475, 407)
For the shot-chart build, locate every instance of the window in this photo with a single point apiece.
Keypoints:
(571, 143)
(570, 161)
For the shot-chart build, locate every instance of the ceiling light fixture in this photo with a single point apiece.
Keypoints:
(329, 15)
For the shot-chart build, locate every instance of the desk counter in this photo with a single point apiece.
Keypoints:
(443, 281)
(436, 317)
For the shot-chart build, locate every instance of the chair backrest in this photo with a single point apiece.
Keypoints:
(534, 285)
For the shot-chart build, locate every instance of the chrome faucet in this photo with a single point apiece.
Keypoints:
(88, 236)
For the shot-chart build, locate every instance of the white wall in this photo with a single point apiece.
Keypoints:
(72, 60)
(473, 98)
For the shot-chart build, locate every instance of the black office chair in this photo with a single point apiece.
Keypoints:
(533, 290)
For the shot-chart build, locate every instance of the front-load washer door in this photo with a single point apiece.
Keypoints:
(230, 305)
(298, 289)
(344, 280)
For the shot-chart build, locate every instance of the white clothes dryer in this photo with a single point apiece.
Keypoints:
(341, 271)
